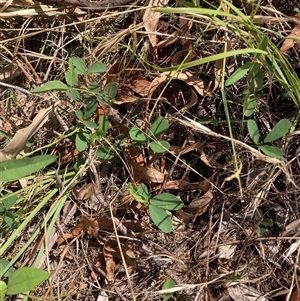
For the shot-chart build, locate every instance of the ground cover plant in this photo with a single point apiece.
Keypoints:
(149, 151)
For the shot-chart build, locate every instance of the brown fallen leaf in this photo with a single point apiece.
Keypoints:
(85, 225)
(18, 142)
(295, 296)
(112, 253)
(85, 192)
(138, 171)
(185, 185)
(141, 173)
(290, 42)
(140, 86)
(109, 261)
(185, 35)
(197, 207)
(151, 19)
(184, 75)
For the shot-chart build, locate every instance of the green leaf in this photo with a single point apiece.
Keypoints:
(253, 130)
(110, 90)
(103, 125)
(51, 85)
(9, 200)
(261, 231)
(166, 201)
(16, 169)
(238, 74)
(160, 218)
(137, 135)
(3, 134)
(267, 222)
(97, 67)
(105, 153)
(262, 45)
(159, 126)
(139, 195)
(271, 151)
(169, 283)
(90, 124)
(94, 86)
(3, 289)
(159, 146)
(249, 106)
(90, 109)
(73, 94)
(279, 130)
(9, 219)
(78, 63)
(81, 140)
(142, 190)
(254, 71)
(25, 279)
(71, 77)
(79, 115)
(3, 264)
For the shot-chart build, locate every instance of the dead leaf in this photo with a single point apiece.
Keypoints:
(184, 150)
(289, 42)
(85, 225)
(109, 262)
(169, 40)
(151, 19)
(122, 99)
(185, 185)
(18, 143)
(141, 173)
(85, 192)
(184, 75)
(140, 86)
(181, 56)
(111, 252)
(138, 171)
(243, 292)
(197, 207)
(295, 296)
(185, 35)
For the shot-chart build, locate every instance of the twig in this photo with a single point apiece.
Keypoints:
(15, 88)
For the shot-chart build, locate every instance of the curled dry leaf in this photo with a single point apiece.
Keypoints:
(184, 150)
(110, 264)
(86, 192)
(18, 143)
(203, 186)
(138, 171)
(85, 225)
(196, 208)
(140, 86)
(141, 173)
(184, 75)
(289, 42)
(111, 252)
(246, 293)
(151, 19)
(186, 37)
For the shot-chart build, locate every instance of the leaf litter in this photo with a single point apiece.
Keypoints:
(215, 226)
